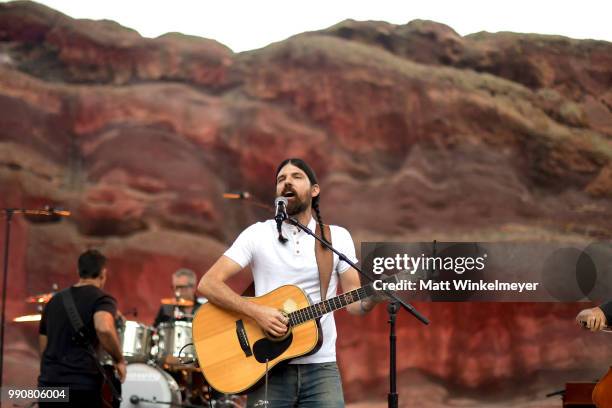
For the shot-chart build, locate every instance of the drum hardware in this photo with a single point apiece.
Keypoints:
(43, 297)
(40, 298)
(173, 338)
(136, 400)
(193, 360)
(135, 341)
(40, 301)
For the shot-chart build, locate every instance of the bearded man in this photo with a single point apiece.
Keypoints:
(287, 257)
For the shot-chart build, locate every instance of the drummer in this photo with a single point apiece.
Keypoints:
(183, 285)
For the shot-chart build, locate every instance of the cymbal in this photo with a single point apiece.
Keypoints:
(177, 302)
(27, 318)
(41, 298)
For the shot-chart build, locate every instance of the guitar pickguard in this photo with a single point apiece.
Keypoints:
(267, 349)
(290, 306)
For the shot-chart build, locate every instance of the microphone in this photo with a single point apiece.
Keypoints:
(239, 195)
(280, 205)
(57, 211)
(45, 214)
(246, 198)
(280, 215)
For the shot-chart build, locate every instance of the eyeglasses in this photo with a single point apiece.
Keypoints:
(178, 287)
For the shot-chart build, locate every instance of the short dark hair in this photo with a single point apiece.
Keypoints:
(91, 263)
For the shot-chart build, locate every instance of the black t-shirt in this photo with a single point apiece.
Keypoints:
(64, 362)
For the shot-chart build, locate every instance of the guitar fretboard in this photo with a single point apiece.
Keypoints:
(327, 306)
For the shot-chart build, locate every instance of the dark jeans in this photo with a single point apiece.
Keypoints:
(301, 385)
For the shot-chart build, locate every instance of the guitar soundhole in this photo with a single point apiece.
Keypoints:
(270, 349)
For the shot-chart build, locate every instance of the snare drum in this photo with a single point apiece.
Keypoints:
(135, 341)
(172, 338)
(148, 386)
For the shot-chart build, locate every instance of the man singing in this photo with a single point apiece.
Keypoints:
(287, 257)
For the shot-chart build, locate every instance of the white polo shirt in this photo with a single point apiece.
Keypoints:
(293, 263)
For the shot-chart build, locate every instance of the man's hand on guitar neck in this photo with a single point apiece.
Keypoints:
(270, 320)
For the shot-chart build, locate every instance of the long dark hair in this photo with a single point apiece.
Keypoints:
(312, 177)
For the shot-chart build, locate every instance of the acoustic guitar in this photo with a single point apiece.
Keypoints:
(233, 350)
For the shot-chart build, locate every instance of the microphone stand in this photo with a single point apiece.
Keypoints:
(9, 212)
(392, 308)
(7, 236)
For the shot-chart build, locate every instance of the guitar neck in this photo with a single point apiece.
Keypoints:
(327, 306)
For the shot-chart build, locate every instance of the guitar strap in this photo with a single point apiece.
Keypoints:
(81, 338)
(325, 262)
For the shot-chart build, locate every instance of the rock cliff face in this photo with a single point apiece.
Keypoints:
(484, 137)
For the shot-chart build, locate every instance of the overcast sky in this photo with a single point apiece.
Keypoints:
(248, 24)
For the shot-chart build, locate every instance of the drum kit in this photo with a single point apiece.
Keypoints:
(161, 368)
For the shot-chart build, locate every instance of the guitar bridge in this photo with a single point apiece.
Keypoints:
(243, 339)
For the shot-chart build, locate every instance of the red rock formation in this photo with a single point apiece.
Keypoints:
(483, 137)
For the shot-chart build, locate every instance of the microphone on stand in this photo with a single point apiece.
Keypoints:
(47, 214)
(239, 195)
(280, 205)
(42, 215)
(246, 198)
(280, 215)
(59, 212)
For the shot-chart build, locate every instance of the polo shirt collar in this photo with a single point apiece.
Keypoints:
(312, 224)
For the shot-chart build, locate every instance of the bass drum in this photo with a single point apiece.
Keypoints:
(148, 386)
